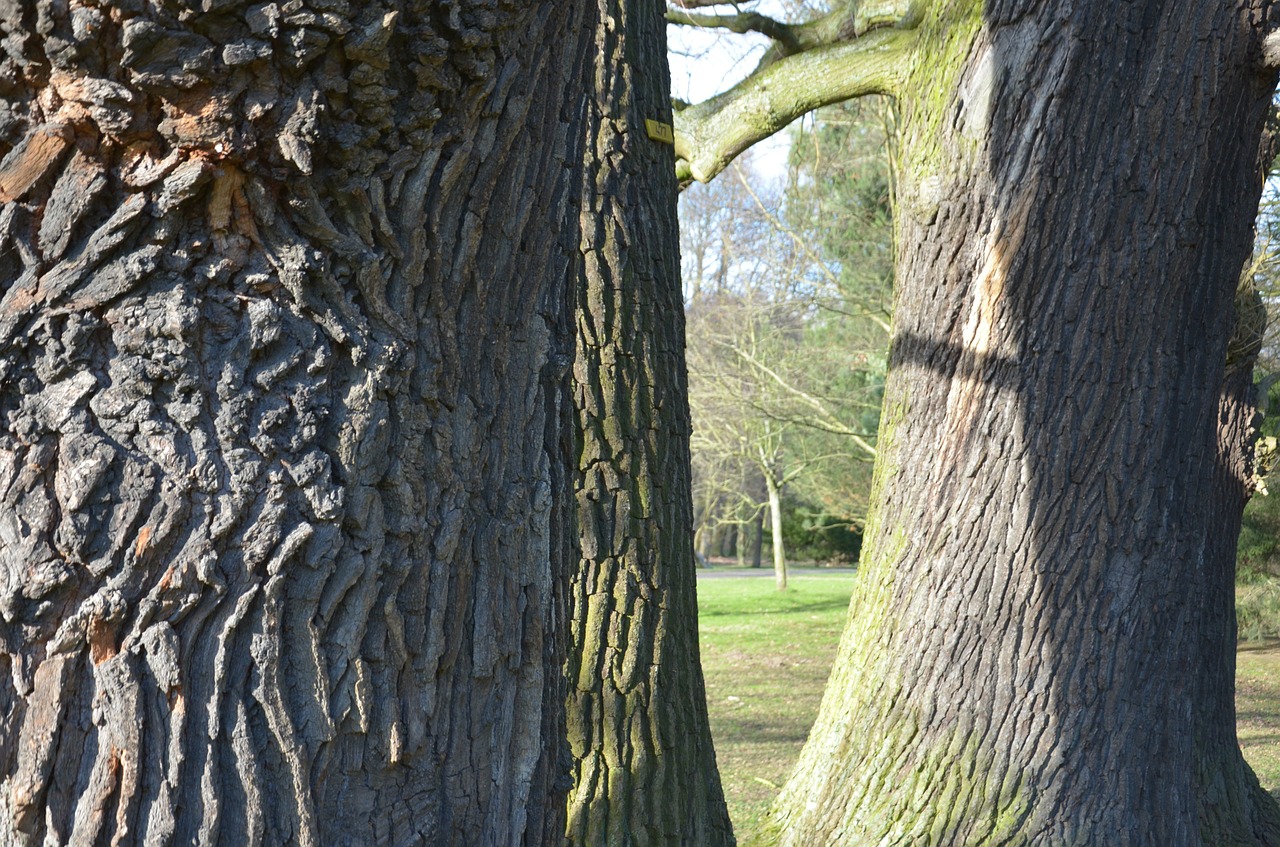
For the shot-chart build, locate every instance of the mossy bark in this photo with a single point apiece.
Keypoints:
(644, 770)
(1032, 657)
(285, 325)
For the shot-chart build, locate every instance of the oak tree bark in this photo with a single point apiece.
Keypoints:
(1039, 647)
(644, 770)
(285, 327)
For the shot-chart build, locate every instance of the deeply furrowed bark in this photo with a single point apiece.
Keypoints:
(644, 767)
(285, 300)
(1039, 646)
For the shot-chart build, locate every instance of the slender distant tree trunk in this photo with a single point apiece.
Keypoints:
(1039, 646)
(729, 541)
(285, 326)
(757, 543)
(707, 533)
(740, 541)
(644, 769)
(775, 525)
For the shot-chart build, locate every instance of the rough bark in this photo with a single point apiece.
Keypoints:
(644, 767)
(284, 337)
(1031, 657)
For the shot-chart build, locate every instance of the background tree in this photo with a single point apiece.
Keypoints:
(286, 326)
(787, 351)
(744, 449)
(1040, 648)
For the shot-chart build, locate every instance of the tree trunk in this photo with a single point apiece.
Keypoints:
(286, 323)
(757, 543)
(1039, 645)
(644, 768)
(709, 533)
(775, 524)
(740, 538)
(1224, 780)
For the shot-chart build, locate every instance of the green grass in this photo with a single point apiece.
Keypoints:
(766, 657)
(1258, 710)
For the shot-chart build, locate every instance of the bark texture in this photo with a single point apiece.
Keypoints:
(644, 767)
(1039, 647)
(285, 327)
(1233, 808)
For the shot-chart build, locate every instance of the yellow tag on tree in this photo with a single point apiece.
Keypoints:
(659, 131)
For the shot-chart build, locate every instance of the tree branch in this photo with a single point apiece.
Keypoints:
(800, 242)
(831, 422)
(711, 134)
(743, 22)
(702, 4)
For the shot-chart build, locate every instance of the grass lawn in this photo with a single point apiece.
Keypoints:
(766, 656)
(1258, 710)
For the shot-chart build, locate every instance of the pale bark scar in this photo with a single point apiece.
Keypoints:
(225, 184)
(229, 212)
(121, 761)
(27, 163)
(36, 743)
(979, 339)
(19, 300)
(988, 289)
(144, 535)
(102, 640)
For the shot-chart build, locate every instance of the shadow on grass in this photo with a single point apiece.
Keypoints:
(760, 733)
(796, 607)
(1251, 740)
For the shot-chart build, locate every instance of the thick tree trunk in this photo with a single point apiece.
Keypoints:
(286, 324)
(1032, 658)
(644, 768)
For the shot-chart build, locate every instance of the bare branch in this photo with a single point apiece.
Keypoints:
(702, 4)
(830, 421)
(741, 23)
(812, 255)
(843, 23)
(711, 134)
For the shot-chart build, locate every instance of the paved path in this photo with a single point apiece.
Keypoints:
(715, 572)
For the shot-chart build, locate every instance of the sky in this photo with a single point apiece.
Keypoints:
(706, 62)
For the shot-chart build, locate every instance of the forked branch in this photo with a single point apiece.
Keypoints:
(710, 134)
